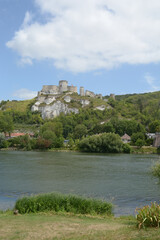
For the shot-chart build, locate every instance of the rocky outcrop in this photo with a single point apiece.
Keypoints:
(101, 108)
(67, 99)
(53, 110)
(84, 102)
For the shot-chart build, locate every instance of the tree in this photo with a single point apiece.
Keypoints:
(80, 131)
(55, 127)
(6, 124)
(106, 143)
(48, 135)
(154, 126)
(140, 142)
(2, 141)
(108, 127)
(136, 136)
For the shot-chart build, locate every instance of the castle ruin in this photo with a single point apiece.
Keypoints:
(63, 87)
(53, 100)
(55, 90)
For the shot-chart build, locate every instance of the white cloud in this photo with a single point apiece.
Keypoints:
(27, 19)
(24, 94)
(91, 34)
(24, 61)
(151, 81)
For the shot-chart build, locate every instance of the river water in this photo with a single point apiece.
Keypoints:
(122, 179)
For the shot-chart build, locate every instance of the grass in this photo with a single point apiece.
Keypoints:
(62, 203)
(51, 226)
(20, 106)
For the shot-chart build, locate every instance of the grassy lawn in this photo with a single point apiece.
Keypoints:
(66, 226)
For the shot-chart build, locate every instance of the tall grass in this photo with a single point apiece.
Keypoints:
(58, 202)
(149, 216)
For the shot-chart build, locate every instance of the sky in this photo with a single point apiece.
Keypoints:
(107, 46)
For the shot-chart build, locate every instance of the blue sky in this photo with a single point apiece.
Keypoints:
(107, 46)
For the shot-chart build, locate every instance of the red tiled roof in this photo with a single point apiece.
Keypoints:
(18, 134)
(126, 137)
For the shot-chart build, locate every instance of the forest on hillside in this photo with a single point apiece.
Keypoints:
(134, 114)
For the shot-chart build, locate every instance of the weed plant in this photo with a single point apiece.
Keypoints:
(148, 216)
(67, 203)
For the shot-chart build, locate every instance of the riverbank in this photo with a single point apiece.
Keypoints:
(68, 226)
(134, 150)
(143, 150)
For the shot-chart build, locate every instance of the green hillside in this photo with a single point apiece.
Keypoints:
(134, 114)
(21, 106)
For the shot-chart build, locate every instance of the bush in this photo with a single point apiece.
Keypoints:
(67, 203)
(156, 170)
(139, 143)
(148, 216)
(102, 143)
(126, 148)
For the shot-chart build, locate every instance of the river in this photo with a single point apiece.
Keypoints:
(122, 179)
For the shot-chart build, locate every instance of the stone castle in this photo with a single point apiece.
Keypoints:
(63, 87)
(54, 90)
(53, 100)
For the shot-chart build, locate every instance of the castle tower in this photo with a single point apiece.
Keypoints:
(82, 91)
(112, 96)
(63, 86)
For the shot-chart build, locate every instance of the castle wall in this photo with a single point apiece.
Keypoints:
(72, 89)
(50, 89)
(99, 96)
(90, 94)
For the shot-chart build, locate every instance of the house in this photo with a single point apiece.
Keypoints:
(17, 134)
(126, 138)
(151, 135)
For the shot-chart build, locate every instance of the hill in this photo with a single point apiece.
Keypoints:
(130, 113)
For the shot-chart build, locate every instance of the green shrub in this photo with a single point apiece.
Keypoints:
(126, 148)
(102, 143)
(148, 216)
(57, 202)
(156, 170)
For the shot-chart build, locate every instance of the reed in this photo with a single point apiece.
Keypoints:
(67, 203)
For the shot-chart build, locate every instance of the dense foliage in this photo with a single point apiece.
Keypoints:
(67, 203)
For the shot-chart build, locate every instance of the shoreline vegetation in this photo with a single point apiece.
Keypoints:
(56, 216)
(134, 150)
